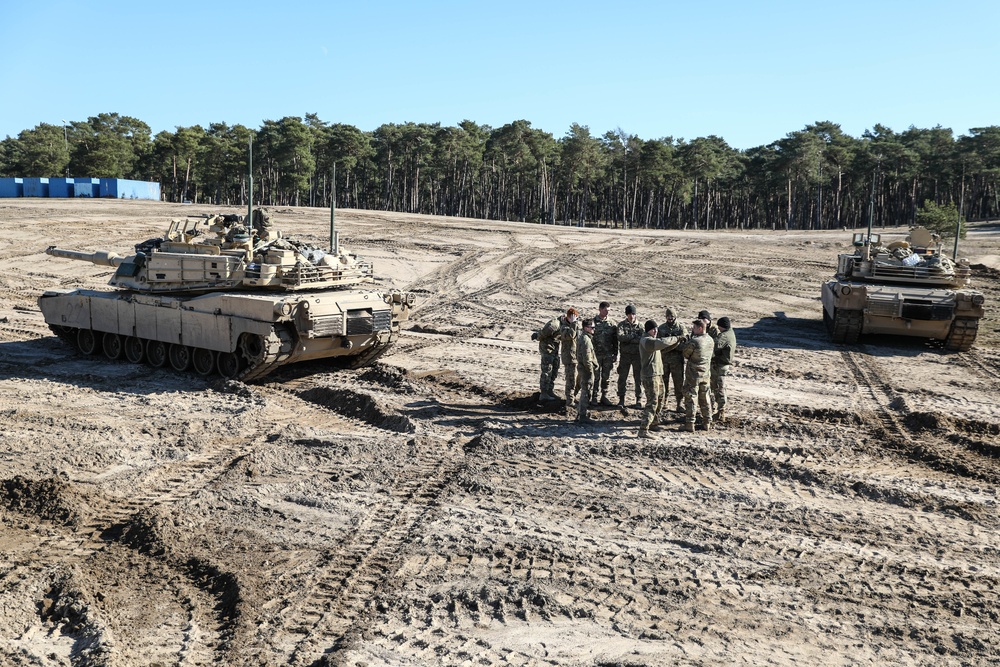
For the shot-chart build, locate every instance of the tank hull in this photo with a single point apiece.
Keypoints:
(853, 308)
(238, 335)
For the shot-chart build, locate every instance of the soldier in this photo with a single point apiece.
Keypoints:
(710, 328)
(725, 348)
(548, 348)
(650, 349)
(606, 348)
(629, 333)
(698, 352)
(569, 330)
(673, 360)
(587, 369)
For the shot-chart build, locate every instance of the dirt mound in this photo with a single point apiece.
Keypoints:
(49, 498)
(359, 405)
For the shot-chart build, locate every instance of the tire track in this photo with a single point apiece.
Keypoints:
(889, 411)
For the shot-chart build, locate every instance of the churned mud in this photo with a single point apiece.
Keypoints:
(427, 510)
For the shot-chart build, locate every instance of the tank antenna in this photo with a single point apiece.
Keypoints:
(871, 217)
(958, 218)
(250, 181)
(333, 210)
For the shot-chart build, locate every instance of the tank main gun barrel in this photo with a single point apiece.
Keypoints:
(100, 257)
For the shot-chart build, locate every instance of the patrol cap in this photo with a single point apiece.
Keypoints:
(723, 323)
(630, 309)
(704, 315)
(650, 325)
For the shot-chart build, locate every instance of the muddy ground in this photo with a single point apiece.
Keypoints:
(426, 510)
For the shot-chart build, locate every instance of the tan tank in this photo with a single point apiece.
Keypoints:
(907, 287)
(218, 296)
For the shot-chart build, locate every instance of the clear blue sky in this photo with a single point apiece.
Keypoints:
(748, 72)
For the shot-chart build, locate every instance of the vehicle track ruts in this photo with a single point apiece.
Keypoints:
(986, 369)
(330, 613)
(880, 400)
(189, 630)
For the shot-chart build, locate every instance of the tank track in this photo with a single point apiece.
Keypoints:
(845, 327)
(370, 355)
(258, 361)
(962, 334)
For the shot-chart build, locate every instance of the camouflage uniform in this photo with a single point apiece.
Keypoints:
(629, 334)
(587, 369)
(650, 350)
(673, 361)
(725, 347)
(568, 334)
(698, 352)
(548, 348)
(606, 348)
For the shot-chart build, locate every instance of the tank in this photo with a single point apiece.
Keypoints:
(218, 295)
(907, 287)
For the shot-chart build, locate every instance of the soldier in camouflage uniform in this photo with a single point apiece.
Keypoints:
(629, 333)
(710, 329)
(673, 360)
(548, 348)
(698, 352)
(569, 331)
(587, 369)
(606, 348)
(725, 348)
(651, 348)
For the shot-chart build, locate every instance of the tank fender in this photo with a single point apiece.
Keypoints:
(845, 295)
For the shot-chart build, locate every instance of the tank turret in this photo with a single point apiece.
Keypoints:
(219, 295)
(906, 287)
(221, 253)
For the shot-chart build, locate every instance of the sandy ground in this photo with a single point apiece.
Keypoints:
(426, 510)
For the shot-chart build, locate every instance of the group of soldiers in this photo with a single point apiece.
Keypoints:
(696, 362)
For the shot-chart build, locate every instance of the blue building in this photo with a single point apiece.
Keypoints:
(116, 188)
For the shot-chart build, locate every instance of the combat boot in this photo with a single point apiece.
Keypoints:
(643, 433)
(720, 415)
(689, 427)
(638, 403)
(708, 425)
(606, 401)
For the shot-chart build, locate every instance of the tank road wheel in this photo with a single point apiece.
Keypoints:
(134, 350)
(156, 353)
(228, 364)
(203, 361)
(846, 326)
(962, 334)
(86, 341)
(180, 357)
(112, 345)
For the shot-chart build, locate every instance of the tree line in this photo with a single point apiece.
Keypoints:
(814, 178)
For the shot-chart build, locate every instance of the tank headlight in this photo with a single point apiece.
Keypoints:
(411, 298)
(978, 299)
(387, 297)
(283, 309)
(845, 290)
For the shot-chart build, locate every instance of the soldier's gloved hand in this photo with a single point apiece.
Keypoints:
(534, 336)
